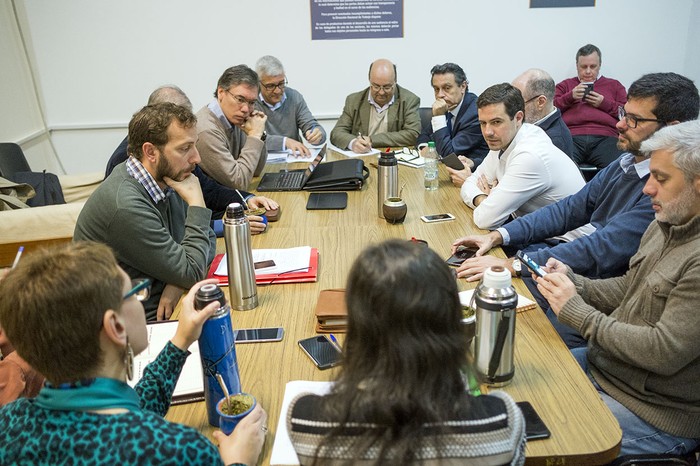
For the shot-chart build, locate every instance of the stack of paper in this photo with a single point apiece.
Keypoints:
(291, 265)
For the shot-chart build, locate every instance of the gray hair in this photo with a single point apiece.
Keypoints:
(683, 141)
(269, 66)
(236, 75)
(169, 93)
(539, 83)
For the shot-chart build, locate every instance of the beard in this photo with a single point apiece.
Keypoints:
(164, 168)
(676, 211)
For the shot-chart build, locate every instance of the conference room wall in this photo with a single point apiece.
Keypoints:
(96, 62)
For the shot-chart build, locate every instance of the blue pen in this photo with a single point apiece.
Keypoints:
(335, 342)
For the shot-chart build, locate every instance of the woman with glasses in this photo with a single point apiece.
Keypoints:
(402, 397)
(75, 316)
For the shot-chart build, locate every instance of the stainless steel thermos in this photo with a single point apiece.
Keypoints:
(387, 180)
(217, 349)
(495, 302)
(239, 259)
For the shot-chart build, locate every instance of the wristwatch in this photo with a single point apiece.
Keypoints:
(518, 267)
(263, 136)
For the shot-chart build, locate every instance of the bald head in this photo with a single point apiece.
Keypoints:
(382, 81)
(170, 93)
(537, 88)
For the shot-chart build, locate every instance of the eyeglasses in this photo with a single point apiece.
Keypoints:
(272, 86)
(141, 289)
(241, 100)
(532, 98)
(377, 87)
(632, 120)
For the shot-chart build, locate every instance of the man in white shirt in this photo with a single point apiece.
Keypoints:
(523, 170)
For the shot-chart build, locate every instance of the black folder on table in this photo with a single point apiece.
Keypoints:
(341, 175)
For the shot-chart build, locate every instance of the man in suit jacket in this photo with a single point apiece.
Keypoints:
(382, 115)
(455, 125)
(537, 88)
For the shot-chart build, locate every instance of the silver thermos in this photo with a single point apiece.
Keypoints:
(388, 180)
(495, 301)
(239, 259)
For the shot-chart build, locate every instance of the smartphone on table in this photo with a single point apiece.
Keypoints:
(460, 256)
(532, 265)
(535, 427)
(257, 335)
(322, 351)
(437, 218)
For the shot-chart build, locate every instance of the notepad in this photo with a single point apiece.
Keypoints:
(190, 385)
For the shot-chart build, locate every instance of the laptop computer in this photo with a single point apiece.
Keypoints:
(292, 180)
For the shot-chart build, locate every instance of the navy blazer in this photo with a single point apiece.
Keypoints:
(216, 196)
(558, 132)
(466, 138)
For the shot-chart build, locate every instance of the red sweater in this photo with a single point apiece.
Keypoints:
(583, 118)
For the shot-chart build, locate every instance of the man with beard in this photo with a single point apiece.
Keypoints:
(612, 202)
(642, 328)
(151, 210)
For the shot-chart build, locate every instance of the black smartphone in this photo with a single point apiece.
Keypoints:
(532, 265)
(322, 351)
(452, 161)
(327, 201)
(460, 256)
(534, 425)
(263, 264)
(256, 335)
(589, 88)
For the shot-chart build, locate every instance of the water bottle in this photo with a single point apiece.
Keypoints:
(430, 170)
(239, 259)
(388, 180)
(217, 350)
(495, 301)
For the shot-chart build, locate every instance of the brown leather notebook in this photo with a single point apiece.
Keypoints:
(331, 313)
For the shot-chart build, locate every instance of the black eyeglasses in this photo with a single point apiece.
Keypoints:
(632, 120)
(141, 289)
(242, 100)
(272, 86)
(385, 88)
(532, 98)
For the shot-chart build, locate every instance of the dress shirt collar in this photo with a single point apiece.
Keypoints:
(542, 120)
(627, 162)
(455, 111)
(376, 105)
(272, 107)
(215, 108)
(137, 171)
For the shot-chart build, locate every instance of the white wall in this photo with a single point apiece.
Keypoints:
(96, 62)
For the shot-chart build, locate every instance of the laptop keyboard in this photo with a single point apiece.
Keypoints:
(289, 179)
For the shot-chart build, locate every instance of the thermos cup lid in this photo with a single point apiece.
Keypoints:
(235, 210)
(387, 158)
(497, 277)
(209, 293)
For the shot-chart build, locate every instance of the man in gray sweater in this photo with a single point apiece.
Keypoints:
(150, 210)
(286, 110)
(643, 328)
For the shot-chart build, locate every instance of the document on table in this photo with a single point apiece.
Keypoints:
(287, 156)
(286, 260)
(190, 385)
(410, 158)
(349, 153)
(283, 450)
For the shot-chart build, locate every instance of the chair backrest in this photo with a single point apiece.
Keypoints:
(12, 160)
(426, 115)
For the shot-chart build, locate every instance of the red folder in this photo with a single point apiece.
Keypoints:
(266, 279)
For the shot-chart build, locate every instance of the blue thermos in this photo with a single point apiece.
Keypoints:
(217, 349)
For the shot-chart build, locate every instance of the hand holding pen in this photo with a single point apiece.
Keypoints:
(361, 144)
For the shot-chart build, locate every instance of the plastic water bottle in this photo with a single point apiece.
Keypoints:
(387, 180)
(430, 170)
(239, 259)
(496, 302)
(217, 348)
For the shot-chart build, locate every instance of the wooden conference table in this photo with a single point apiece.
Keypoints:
(583, 429)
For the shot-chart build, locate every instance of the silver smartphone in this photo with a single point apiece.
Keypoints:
(256, 335)
(437, 218)
(322, 351)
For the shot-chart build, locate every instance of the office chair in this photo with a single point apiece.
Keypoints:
(12, 160)
(426, 115)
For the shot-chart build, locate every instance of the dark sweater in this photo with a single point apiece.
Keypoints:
(581, 117)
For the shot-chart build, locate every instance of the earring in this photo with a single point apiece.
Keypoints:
(129, 360)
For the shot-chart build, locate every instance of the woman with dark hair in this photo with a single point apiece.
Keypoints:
(76, 317)
(402, 396)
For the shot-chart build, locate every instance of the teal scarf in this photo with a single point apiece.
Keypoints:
(91, 395)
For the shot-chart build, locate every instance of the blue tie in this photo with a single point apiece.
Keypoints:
(449, 116)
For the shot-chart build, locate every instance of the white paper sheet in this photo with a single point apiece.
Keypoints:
(286, 260)
(349, 153)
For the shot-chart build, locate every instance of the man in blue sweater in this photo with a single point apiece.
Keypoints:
(612, 203)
